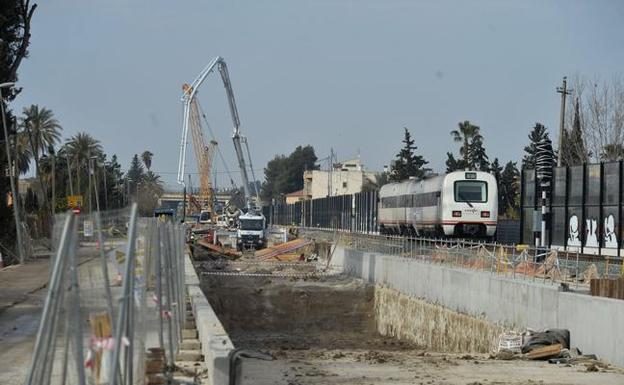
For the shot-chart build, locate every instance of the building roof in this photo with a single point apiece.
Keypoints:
(299, 193)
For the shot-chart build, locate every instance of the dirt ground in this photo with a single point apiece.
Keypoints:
(363, 367)
(322, 330)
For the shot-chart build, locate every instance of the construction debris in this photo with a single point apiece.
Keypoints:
(546, 338)
(545, 352)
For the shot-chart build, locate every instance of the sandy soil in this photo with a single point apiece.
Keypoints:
(363, 367)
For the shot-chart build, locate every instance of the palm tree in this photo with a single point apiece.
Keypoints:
(23, 153)
(153, 183)
(78, 149)
(466, 133)
(42, 128)
(151, 188)
(146, 157)
(43, 132)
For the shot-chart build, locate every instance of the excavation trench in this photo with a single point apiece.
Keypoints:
(330, 318)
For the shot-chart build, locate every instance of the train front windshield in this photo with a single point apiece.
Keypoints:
(471, 191)
(251, 224)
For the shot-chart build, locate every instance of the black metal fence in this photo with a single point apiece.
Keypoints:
(585, 208)
(353, 212)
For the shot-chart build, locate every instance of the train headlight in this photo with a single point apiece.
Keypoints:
(485, 214)
(456, 214)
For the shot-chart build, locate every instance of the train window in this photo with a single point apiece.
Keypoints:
(470, 191)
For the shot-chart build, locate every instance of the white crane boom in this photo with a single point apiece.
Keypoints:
(237, 138)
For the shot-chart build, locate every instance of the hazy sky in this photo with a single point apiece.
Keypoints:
(344, 74)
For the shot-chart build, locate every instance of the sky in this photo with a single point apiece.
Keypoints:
(341, 74)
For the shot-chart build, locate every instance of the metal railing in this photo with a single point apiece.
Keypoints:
(116, 288)
(516, 262)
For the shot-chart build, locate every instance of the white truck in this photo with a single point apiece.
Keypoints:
(251, 232)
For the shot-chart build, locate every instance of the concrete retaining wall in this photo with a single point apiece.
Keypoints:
(595, 323)
(430, 325)
(215, 343)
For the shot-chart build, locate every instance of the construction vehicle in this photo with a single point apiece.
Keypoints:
(251, 223)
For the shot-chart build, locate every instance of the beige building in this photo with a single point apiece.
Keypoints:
(295, 197)
(347, 177)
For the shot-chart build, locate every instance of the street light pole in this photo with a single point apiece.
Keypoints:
(20, 250)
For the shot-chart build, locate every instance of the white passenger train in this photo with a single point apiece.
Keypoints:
(461, 203)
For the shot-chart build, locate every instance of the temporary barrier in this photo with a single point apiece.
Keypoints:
(116, 283)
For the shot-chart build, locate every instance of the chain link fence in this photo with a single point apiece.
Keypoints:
(517, 262)
(116, 290)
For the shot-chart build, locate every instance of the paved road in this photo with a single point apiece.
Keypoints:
(23, 290)
(22, 293)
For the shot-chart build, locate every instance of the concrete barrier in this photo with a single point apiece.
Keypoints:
(594, 322)
(215, 343)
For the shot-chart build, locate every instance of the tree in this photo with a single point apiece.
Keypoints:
(150, 189)
(114, 183)
(407, 163)
(477, 158)
(453, 164)
(14, 38)
(43, 132)
(537, 134)
(495, 170)
(612, 151)
(508, 191)
(15, 19)
(284, 174)
(146, 157)
(22, 151)
(300, 160)
(601, 114)
(78, 149)
(274, 174)
(466, 134)
(573, 150)
(135, 174)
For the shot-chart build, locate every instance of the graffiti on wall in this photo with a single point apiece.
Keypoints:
(574, 232)
(610, 238)
(591, 228)
(591, 239)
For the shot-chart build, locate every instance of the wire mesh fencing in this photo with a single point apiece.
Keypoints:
(516, 262)
(116, 289)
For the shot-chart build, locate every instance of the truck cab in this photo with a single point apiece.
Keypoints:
(251, 231)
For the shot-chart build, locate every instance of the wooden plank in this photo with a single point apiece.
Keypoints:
(545, 352)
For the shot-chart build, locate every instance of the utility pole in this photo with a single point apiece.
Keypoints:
(564, 91)
(12, 173)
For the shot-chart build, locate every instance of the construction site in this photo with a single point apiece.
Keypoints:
(347, 289)
(339, 275)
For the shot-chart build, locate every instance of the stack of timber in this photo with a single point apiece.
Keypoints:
(607, 287)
